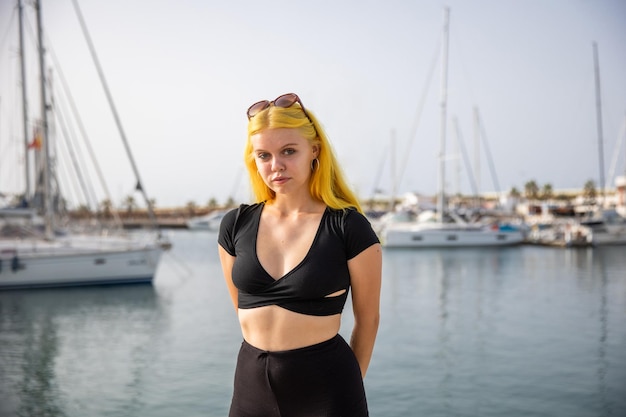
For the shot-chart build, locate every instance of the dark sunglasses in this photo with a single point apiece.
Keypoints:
(284, 101)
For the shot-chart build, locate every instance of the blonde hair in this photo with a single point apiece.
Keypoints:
(327, 182)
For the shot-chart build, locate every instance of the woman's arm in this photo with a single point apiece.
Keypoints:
(227, 261)
(365, 278)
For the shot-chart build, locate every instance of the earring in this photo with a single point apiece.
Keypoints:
(315, 164)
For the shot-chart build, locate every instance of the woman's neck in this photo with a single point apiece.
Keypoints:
(289, 205)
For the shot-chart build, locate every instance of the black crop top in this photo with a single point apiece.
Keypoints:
(342, 235)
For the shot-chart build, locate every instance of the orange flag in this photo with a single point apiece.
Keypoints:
(36, 142)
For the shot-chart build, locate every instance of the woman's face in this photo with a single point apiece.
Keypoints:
(283, 158)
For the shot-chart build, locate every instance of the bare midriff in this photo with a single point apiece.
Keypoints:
(274, 328)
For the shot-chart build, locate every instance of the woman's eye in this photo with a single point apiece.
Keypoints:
(262, 155)
(289, 151)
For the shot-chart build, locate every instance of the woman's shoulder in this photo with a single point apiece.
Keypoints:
(248, 208)
(244, 211)
(348, 218)
(354, 229)
(345, 213)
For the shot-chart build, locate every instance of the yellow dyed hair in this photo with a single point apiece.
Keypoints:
(327, 182)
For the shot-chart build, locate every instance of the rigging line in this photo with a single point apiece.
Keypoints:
(618, 145)
(5, 36)
(71, 150)
(236, 184)
(75, 150)
(55, 193)
(3, 154)
(63, 176)
(181, 264)
(379, 172)
(468, 166)
(116, 116)
(492, 168)
(420, 109)
(13, 143)
(10, 129)
(57, 170)
(462, 64)
(83, 133)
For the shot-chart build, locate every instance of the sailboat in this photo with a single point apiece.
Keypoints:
(446, 229)
(607, 226)
(210, 222)
(36, 252)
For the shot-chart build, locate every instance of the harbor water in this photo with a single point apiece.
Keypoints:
(520, 331)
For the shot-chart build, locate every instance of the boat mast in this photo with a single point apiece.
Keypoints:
(392, 166)
(442, 125)
(477, 151)
(596, 67)
(48, 214)
(27, 192)
(116, 116)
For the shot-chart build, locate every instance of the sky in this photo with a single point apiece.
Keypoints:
(182, 74)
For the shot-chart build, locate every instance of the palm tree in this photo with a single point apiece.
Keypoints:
(212, 203)
(531, 190)
(130, 204)
(589, 192)
(106, 206)
(547, 192)
(83, 211)
(515, 193)
(191, 208)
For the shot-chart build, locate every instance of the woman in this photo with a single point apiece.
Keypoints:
(289, 261)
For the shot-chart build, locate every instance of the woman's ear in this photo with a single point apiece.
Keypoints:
(316, 150)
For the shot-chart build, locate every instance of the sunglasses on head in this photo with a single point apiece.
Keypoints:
(284, 101)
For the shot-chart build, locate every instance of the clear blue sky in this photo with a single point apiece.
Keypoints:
(182, 74)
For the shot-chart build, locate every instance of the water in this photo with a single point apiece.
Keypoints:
(524, 331)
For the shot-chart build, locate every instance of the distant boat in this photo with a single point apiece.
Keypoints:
(566, 234)
(607, 226)
(454, 232)
(209, 222)
(450, 235)
(36, 252)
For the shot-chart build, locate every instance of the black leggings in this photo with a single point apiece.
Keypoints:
(322, 380)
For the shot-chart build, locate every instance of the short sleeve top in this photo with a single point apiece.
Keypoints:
(341, 235)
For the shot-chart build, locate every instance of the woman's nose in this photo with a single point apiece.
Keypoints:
(277, 165)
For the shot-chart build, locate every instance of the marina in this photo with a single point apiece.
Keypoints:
(39, 244)
(502, 303)
(522, 330)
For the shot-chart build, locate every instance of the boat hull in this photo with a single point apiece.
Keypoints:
(608, 228)
(614, 236)
(56, 266)
(425, 236)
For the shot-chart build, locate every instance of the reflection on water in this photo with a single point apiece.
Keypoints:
(37, 392)
(603, 333)
(491, 332)
(518, 331)
(52, 334)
